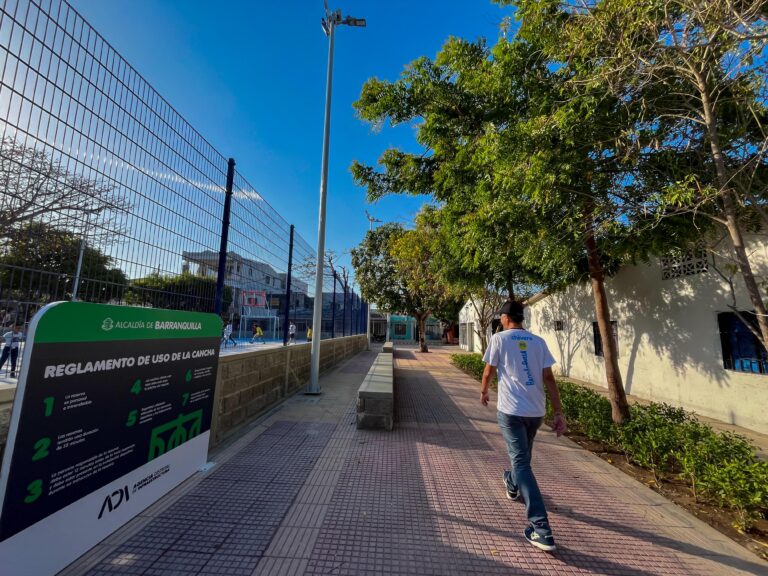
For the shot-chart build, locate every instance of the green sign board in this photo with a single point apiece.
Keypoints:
(106, 396)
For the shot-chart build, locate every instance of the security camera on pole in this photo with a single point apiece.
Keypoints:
(329, 23)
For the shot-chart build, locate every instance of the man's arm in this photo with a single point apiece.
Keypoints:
(488, 374)
(558, 422)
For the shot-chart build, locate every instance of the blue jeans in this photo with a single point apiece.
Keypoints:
(13, 353)
(519, 432)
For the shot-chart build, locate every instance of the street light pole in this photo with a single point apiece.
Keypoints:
(371, 220)
(329, 23)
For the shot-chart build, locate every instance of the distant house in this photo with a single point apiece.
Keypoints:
(405, 329)
(246, 276)
(679, 340)
(469, 327)
(258, 291)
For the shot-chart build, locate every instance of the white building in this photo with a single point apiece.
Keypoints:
(679, 341)
(469, 329)
(246, 274)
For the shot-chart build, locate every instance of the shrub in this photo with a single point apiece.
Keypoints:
(472, 364)
(702, 447)
(653, 437)
(739, 485)
(666, 440)
(587, 412)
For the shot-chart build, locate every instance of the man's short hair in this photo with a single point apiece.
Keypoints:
(514, 310)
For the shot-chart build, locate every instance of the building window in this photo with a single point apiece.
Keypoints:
(434, 331)
(559, 325)
(399, 329)
(599, 342)
(462, 334)
(742, 351)
(684, 263)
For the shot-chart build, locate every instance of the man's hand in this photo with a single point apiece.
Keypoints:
(559, 425)
(488, 373)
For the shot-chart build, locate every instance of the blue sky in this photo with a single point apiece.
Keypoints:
(250, 77)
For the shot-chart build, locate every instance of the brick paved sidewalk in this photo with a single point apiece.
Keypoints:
(304, 492)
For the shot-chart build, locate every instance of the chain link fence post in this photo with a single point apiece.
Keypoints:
(222, 271)
(287, 320)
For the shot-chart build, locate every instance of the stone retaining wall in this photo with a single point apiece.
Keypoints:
(247, 384)
(250, 383)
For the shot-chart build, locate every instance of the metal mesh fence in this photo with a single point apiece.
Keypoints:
(108, 195)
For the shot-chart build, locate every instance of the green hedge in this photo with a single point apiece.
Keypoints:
(721, 467)
(472, 364)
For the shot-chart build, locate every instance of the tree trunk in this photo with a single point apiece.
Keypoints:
(422, 320)
(730, 200)
(619, 405)
(481, 314)
(511, 288)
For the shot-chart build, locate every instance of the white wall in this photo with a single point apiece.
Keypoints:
(467, 316)
(669, 342)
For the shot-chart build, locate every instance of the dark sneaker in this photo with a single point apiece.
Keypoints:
(542, 542)
(13, 374)
(511, 489)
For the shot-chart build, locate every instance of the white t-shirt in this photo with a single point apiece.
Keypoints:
(12, 339)
(519, 357)
(292, 329)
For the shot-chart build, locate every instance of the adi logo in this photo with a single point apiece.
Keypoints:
(522, 345)
(107, 325)
(112, 501)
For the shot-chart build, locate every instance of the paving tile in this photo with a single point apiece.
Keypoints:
(205, 537)
(306, 516)
(281, 567)
(311, 494)
(177, 563)
(229, 565)
(128, 560)
(292, 542)
(248, 540)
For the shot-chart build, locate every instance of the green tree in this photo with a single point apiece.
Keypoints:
(181, 292)
(375, 268)
(486, 124)
(529, 168)
(394, 269)
(49, 257)
(694, 72)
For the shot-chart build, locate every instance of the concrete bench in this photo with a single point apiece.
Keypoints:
(375, 397)
(388, 348)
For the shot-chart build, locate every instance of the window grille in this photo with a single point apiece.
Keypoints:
(742, 351)
(598, 341)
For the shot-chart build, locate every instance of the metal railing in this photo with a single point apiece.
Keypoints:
(107, 194)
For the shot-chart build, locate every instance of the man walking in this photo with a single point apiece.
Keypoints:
(524, 366)
(12, 340)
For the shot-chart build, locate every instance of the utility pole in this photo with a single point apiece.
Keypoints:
(371, 220)
(329, 23)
